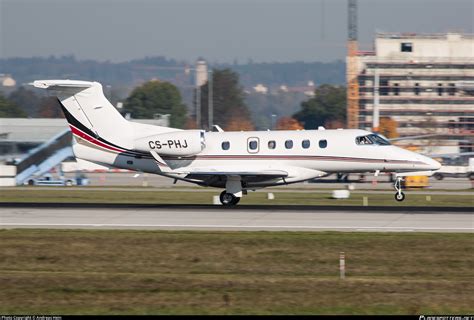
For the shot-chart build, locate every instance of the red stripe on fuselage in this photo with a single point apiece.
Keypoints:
(92, 140)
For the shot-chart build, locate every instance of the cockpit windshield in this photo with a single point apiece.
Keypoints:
(374, 139)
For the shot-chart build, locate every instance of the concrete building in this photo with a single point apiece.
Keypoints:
(260, 88)
(201, 73)
(426, 83)
(6, 80)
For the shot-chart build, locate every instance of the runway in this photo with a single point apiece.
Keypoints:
(243, 218)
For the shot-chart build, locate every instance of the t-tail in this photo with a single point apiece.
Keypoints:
(95, 123)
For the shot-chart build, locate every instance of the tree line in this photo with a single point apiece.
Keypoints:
(154, 98)
(26, 70)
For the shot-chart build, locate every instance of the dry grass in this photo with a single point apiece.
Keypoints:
(164, 272)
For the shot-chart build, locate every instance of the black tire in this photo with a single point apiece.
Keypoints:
(31, 182)
(228, 199)
(470, 176)
(438, 176)
(399, 196)
(236, 200)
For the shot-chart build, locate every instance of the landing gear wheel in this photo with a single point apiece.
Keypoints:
(228, 199)
(399, 196)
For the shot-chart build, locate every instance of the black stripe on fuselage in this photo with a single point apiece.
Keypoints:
(76, 123)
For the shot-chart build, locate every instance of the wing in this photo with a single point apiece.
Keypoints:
(253, 174)
(217, 175)
(265, 174)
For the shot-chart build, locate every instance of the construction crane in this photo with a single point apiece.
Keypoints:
(352, 70)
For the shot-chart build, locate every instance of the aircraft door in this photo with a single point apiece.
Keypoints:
(253, 145)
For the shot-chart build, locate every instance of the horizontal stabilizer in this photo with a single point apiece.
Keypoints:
(58, 84)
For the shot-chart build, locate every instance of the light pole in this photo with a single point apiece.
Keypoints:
(109, 92)
(273, 121)
(210, 102)
(198, 106)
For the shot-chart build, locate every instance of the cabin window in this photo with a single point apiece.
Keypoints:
(372, 139)
(289, 144)
(225, 145)
(253, 145)
(406, 47)
(271, 144)
(323, 144)
(305, 144)
(379, 140)
(363, 140)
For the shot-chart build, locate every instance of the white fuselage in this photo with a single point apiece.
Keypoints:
(304, 154)
(235, 160)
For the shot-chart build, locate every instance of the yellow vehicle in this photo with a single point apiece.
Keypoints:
(415, 182)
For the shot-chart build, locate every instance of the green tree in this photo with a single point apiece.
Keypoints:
(9, 109)
(49, 107)
(327, 105)
(228, 100)
(27, 100)
(157, 98)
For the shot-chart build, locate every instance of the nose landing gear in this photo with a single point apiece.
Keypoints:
(399, 196)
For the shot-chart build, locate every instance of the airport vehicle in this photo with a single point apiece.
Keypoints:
(49, 180)
(455, 170)
(236, 161)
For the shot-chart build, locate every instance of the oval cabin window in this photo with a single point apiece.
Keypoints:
(323, 144)
(271, 144)
(305, 144)
(225, 145)
(253, 145)
(289, 144)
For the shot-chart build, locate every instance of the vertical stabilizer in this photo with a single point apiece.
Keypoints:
(88, 111)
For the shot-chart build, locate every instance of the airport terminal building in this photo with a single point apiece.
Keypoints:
(426, 83)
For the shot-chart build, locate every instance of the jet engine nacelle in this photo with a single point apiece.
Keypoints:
(176, 143)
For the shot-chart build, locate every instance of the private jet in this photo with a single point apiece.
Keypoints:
(238, 162)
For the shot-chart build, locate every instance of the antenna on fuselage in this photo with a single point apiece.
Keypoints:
(216, 128)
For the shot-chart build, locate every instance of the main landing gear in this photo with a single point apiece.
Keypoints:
(399, 196)
(233, 191)
(228, 199)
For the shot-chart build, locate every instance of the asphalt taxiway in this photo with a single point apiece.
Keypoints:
(243, 218)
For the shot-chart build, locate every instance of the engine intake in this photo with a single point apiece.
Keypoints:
(177, 143)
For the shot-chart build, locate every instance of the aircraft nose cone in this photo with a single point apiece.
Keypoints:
(433, 164)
